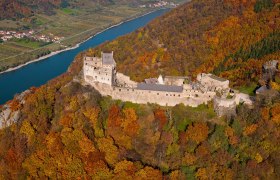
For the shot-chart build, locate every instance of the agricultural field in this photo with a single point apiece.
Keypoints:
(74, 25)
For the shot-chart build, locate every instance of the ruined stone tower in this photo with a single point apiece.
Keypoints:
(101, 70)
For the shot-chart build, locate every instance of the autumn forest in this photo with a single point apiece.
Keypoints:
(69, 131)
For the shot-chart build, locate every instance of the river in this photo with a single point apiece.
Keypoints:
(38, 73)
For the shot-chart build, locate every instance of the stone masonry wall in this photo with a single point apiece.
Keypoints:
(162, 98)
(125, 81)
(103, 75)
(224, 106)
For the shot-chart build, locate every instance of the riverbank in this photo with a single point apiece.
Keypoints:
(78, 44)
(39, 73)
(38, 59)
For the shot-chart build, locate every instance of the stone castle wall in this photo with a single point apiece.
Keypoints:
(188, 98)
(174, 81)
(213, 82)
(104, 78)
(104, 74)
(224, 106)
(125, 81)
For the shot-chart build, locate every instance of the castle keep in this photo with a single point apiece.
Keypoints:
(166, 91)
(101, 70)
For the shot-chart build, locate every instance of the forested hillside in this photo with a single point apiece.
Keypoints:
(18, 9)
(231, 38)
(14, 9)
(68, 131)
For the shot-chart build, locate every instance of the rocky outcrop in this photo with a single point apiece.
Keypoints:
(7, 115)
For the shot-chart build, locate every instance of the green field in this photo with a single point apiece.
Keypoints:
(75, 25)
(29, 43)
(69, 11)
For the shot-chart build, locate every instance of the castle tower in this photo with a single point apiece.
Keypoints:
(102, 70)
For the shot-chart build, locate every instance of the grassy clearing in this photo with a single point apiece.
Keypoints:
(9, 24)
(7, 51)
(17, 47)
(69, 11)
(248, 89)
(29, 43)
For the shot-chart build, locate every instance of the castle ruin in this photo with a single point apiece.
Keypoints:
(166, 91)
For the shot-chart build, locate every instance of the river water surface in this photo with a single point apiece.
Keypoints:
(38, 73)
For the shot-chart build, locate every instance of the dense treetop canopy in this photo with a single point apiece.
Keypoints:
(68, 131)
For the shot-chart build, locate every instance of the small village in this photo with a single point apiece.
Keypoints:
(30, 34)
